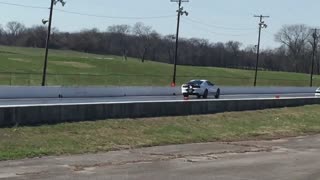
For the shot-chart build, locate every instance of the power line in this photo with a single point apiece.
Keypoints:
(217, 26)
(21, 5)
(114, 17)
(269, 33)
(218, 33)
(86, 14)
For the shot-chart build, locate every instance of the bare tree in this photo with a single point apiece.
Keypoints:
(219, 54)
(144, 34)
(141, 41)
(295, 38)
(155, 40)
(121, 29)
(121, 32)
(199, 54)
(249, 59)
(318, 58)
(15, 28)
(2, 34)
(169, 47)
(36, 36)
(234, 48)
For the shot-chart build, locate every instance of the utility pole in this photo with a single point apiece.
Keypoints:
(180, 13)
(315, 44)
(261, 25)
(44, 74)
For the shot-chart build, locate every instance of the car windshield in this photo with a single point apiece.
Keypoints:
(196, 82)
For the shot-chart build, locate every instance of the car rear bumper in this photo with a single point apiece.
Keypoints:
(192, 91)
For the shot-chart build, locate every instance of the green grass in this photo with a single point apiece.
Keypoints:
(71, 68)
(106, 135)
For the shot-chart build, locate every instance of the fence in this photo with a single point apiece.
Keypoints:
(33, 79)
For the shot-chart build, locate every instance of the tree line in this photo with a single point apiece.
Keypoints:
(143, 42)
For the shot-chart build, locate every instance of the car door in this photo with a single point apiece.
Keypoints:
(211, 87)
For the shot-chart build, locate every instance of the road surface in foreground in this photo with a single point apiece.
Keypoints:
(291, 158)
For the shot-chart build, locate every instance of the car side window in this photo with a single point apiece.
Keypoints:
(209, 83)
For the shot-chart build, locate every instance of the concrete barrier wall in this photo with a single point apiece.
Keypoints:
(29, 92)
(74, 92)
(227, 90)
(51, 114)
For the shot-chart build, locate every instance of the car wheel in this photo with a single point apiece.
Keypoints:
(205, 94)
(217, 94)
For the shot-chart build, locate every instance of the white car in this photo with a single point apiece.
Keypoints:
(318, 92)
(200, 88)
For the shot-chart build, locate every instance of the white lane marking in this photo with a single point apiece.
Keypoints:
(157, 101)
(275, 94)
(128, 97)
(81, 98)
(8, 175)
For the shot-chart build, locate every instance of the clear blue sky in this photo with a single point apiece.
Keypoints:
(221, 20)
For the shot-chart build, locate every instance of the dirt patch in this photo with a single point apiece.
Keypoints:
(73, 64)
(19, 60)
(7, 52)
(107, 58)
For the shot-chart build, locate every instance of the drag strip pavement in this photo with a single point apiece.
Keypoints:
(52, 101)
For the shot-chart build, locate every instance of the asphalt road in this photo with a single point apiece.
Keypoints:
(288, 159)
(44, 101)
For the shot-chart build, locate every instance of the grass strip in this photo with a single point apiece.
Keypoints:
(106, 135)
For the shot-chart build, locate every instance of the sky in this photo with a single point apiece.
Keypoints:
(217, 21)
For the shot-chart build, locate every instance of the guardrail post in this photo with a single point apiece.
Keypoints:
(11, 79)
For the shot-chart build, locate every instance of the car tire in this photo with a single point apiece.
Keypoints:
(205, 94)
(217, 96)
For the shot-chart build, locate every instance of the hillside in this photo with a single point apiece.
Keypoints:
(23, 66)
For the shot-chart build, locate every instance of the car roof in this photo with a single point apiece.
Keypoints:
(198, 80)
